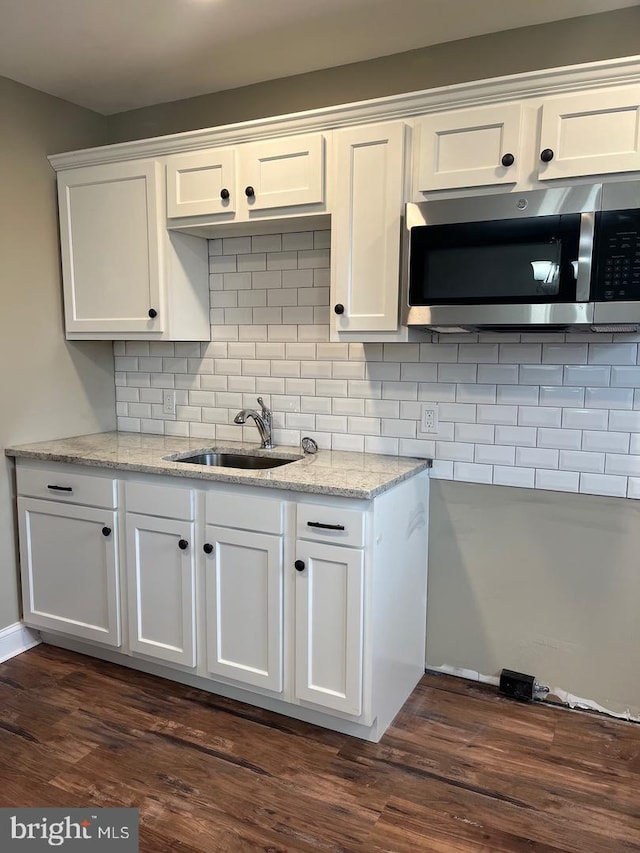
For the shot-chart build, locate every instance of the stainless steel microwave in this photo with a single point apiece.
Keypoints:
(561, 258)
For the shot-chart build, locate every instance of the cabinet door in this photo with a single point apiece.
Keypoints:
(161, 588)
(244, 606)
(69, 569)
(465, 148)
(591, 134)
(329, 626)
(200, 183)
(365, 229)
(110, 247)
(283, 172)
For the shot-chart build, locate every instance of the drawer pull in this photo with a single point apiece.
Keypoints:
(60, 488)
(325, 526)
(183, 544)
(106, 531)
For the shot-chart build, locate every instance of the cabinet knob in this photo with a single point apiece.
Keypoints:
(183, 544)
(547, 155)
(339, 308)
(224, 194)
(508, 160)
(106, 531)
(249, 192)
(299, 565)
(153, 313)
(207, 548)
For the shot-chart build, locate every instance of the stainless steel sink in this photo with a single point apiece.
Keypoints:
(235, 460)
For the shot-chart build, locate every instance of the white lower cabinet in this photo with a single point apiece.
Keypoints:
(244, 598)
(161, 588)
(161, 571)
(68, 553)
(329, 626)
(313, 606)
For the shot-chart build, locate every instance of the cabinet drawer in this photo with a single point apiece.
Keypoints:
(331, 524)
(246, 512)
(62, 485)
(161, 500)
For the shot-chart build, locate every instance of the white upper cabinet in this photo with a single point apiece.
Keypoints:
(520, 144)
(594, 133)
(203, 182)
(469, 148)
(365, 227)
(253, 180)
(124, 275)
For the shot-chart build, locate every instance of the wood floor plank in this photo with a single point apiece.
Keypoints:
(461, 770)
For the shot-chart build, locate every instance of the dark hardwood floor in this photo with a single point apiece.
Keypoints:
(462, 769)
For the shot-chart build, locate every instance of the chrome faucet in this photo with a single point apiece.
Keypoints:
(263, 421)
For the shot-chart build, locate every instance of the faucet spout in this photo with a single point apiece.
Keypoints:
(262, 421)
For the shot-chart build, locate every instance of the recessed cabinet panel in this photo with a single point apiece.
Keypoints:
(161, 588)
(591, 134)
(110, 247)
(69, 569)
(465, 148)
(365, 229)
(329, 626)
(244, 606)
(284, 172)
(203, 182)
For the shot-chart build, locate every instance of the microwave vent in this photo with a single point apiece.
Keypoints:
(614, 327)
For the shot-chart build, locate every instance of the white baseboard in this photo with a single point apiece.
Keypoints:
(16, 639)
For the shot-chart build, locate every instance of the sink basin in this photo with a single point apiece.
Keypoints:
(235, 460)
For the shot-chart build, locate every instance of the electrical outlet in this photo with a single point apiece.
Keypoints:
(429, 418)
(169, 402)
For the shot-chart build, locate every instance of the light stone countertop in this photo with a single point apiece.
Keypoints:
(329, 472)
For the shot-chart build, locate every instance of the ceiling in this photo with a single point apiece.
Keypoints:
(115, 55)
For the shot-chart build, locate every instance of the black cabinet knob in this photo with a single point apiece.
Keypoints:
(183, 544)
(339, 309)
(547, 155)
(249, 192)
(508, 160)
(224, 194)
(207, 548)
(299, 565)
(153, 313)
(106, 531)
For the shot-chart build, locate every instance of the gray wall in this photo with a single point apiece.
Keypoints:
(49, 388)
(540, 582)
(585, 39)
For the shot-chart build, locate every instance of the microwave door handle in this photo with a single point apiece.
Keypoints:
(585, 256)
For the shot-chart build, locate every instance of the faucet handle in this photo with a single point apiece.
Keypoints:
(266, 414)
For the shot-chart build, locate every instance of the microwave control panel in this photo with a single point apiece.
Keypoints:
(617, 253)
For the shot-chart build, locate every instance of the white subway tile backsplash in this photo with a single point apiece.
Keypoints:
(587, 375)
(518, 395)
(495, 454)
(472, 473)
(520, 353)
(541, 374)
(585, 418)
(498, 374)
(609, 398)
(511, 476)
(557, 481)
(539, 416)
(606, 442)
(536, 410)
(536, 457)
(603, 484)
(474, 433)
(487, 414)
(558, 395)
(457, 372)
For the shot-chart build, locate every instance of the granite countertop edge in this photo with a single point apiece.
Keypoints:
(319, 474)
